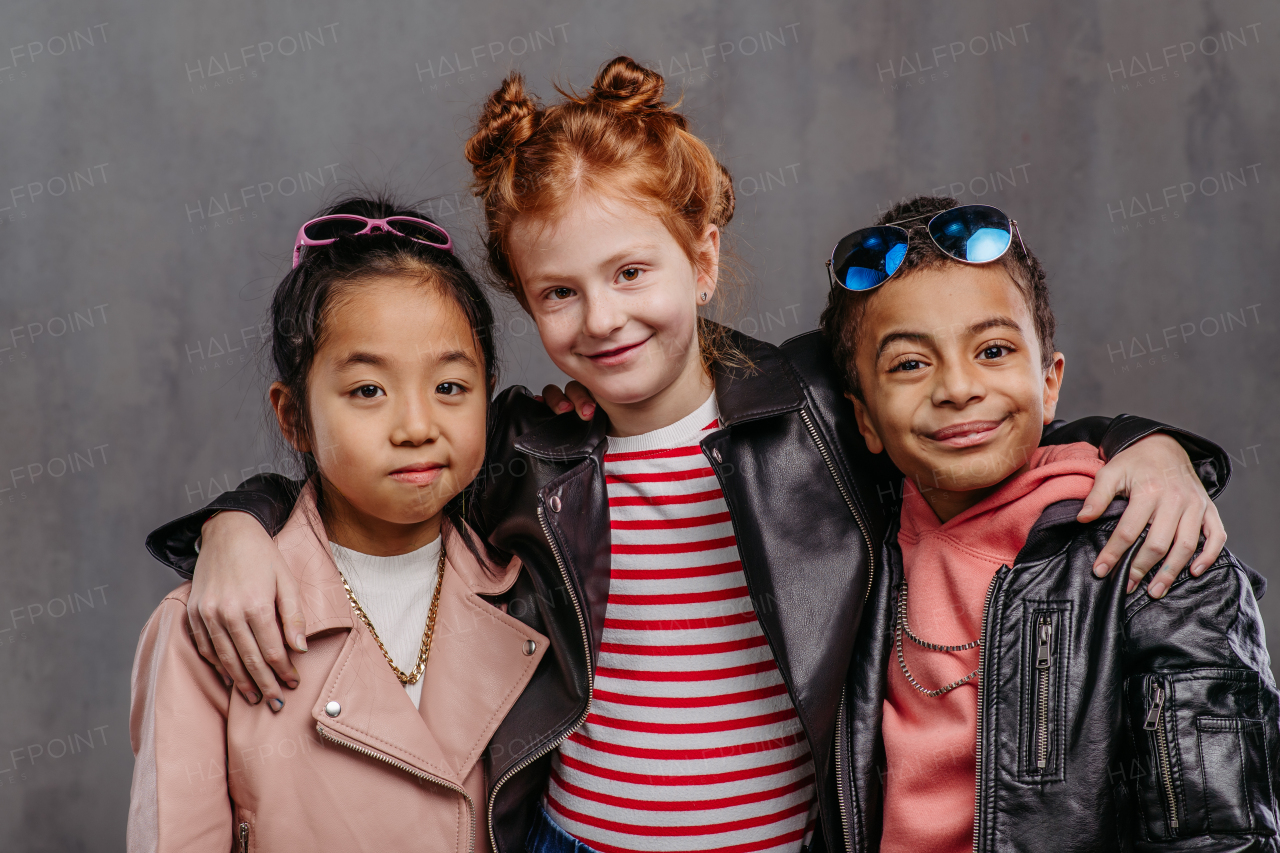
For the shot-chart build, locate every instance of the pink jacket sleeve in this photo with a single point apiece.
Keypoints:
(177, 727)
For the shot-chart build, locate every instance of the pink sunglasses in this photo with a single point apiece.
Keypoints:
(325, 229)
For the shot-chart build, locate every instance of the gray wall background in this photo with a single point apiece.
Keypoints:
(157, 158)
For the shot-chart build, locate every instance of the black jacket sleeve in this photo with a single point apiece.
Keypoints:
(1113, 435)
(1202, 716)
(267, 497)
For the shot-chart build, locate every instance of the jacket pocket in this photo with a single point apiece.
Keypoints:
(1204, 753)
(1043, 689)
(1233, 751)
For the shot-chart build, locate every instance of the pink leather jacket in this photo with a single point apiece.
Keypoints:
(349, 763)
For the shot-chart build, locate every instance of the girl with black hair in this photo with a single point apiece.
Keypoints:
(384, 365)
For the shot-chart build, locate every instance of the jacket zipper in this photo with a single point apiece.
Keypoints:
(831, 466)
(1044, 635)
(842, 721)
(982, 679)
(400, 765)
(841, 792)
(586, 645)
(1155, 723)
(244, 837)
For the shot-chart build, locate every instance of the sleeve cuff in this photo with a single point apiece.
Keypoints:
(1208, 460)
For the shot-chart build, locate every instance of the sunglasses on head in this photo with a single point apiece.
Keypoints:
(326, 229)
(970, 233)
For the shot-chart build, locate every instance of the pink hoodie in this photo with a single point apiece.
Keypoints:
(930, 742)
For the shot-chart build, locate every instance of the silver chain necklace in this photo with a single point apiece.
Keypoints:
(901, 628)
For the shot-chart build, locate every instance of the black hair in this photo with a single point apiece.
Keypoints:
(845, 308)
(302, 300)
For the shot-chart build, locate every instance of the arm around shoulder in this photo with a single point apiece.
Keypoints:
(1112, 435)
(267, 497)
(177, 728)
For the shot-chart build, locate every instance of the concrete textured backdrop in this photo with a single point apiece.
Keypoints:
(157, 159)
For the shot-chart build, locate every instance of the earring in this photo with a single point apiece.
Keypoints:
(704, 296)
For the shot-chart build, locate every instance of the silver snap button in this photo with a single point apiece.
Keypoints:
(554, 503)
(715, 454)
(529, 648)
(333, 709)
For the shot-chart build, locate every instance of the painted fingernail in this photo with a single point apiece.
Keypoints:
(226, 681)
(300, 642)
(1101, 570)
(254, 698)
(276, 705)
(588, 410)
(563, 407)
(1156, 589)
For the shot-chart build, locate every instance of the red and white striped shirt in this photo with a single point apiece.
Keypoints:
(692, 743)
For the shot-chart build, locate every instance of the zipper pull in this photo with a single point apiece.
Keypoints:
(1153, 717)
(1045, 633)
(244, 838)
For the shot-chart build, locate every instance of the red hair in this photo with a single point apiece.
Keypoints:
(618, 138)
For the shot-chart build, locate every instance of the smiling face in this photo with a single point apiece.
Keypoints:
(615, 299)
(396, 413)
(953, 381)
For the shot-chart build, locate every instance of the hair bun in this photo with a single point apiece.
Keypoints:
(509, 117)
(726, 200)
(628, 88)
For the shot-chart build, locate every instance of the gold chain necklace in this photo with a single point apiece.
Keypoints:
(901, 627)
(414, 674)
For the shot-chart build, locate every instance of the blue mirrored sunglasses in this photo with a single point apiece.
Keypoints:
(970, 233)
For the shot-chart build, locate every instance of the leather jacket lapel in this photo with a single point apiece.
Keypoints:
(481, 659)
(765, 387)
(305, 548)
(477, 668)
(575, 507)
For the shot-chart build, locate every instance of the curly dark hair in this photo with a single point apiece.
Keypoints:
(845, 308)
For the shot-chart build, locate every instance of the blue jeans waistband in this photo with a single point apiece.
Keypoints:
(547, 837)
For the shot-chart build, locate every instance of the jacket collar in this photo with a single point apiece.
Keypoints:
(1056, 525)
(479, 661)
(763, 387)
(565, 438)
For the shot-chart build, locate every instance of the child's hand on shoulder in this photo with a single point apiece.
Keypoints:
(575, 396)
(1156, 475)
(239, 582)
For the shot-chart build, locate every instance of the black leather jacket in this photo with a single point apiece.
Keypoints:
(1158, 722)
(807, 502)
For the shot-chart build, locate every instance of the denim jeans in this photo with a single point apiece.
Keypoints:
(546, 837)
